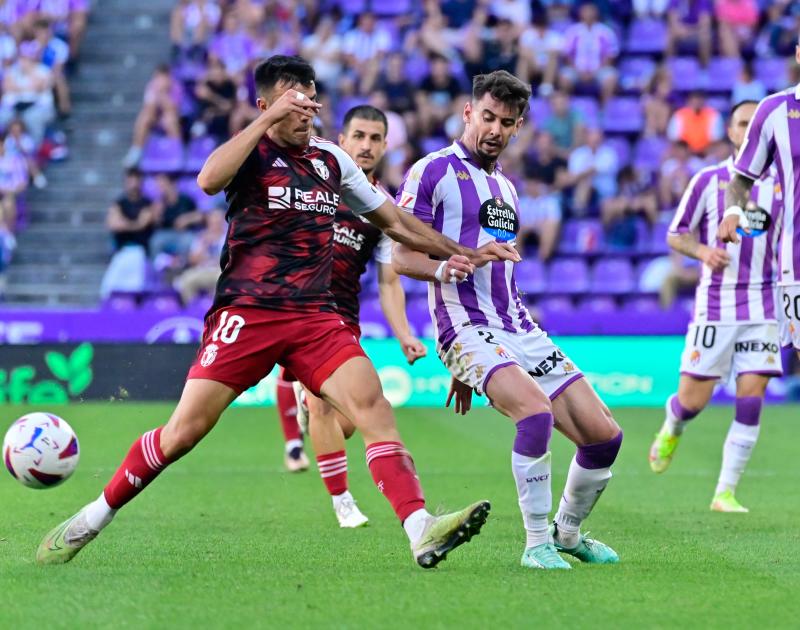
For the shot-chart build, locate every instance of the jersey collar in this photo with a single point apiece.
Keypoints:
(797, 92)
(464, 154)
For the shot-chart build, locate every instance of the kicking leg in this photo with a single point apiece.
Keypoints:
(327, 439)
(582, 417)
(295, 459)
(692, 397)
(392, 468)
(741, 439)
(515, 394)
(198, 410)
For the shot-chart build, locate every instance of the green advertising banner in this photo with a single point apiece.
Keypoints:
(625, 371)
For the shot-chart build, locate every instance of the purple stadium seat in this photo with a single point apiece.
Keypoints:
(588, 109)
(414, 287)
(568, 275)
(188, 186)
(722, 73)
(720, 103)
(555, 304)
(197, 152)
(584, 236)
(434, 143)
(162, 302)
(613, 275)
(150, 188)
(373, 323)
(622, 148)
(121, 301)
(419, 317)
(646, 36)
(391, 8)
(686, 73)
(623, 115)
(649, 152)
(597, 304)
(540, 109)
(635, 72)
(346, 104)
(773, 73)
(658, 238)
(353, 7)
(416, 68)
(530, 276)
(642, 304)
(162, 154)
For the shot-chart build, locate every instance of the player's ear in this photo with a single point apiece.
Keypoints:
(341, 139)
(467, 111)
(518, 126)
(261, 104)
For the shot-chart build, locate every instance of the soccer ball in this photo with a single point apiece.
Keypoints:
(40, 450)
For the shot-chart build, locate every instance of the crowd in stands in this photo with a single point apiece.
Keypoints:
(630, 100)
(39, 43)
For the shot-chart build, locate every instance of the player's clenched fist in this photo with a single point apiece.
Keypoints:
(291, 102)
(454, 269)
(494, 251)
(716, 258)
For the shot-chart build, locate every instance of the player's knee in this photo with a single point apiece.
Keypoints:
(182, 434)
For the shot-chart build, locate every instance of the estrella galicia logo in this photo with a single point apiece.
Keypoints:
(499, 219)
(759, 220)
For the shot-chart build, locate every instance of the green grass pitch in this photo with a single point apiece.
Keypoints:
(226, 539)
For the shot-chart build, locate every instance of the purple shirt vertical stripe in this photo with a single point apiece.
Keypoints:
(714, 291)
(443, 323)
(743, 280)
(794, 145)
(499, 287)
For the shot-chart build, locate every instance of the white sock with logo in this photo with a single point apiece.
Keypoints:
(584, 486)
(99, 513)
(414, 525)
(532, 475)
(736, 453)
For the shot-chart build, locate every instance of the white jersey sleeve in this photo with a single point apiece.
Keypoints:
(693, 204)
(383, 252)
(357, 192)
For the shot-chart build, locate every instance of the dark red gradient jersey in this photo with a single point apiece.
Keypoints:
(278, 252)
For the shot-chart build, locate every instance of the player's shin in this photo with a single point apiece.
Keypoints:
(589, 473)
(530, 463)
(741, 439)
(287, 410)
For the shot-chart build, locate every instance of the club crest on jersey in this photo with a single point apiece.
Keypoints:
(794, 113)
(499, 219)
(209, 354)
(321, 168)
(463, 175)
(759, 219)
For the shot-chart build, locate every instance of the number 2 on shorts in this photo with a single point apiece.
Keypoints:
(228, 329)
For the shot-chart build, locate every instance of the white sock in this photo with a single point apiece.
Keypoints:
(672, 422)
(338, 498)
(532, 475)
(736, 453)
(290, 444)
(584, 486)
(415, 525)
(99, 513)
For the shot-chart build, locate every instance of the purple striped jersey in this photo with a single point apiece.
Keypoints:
(745, 290)
(773, 137)
(448, 190)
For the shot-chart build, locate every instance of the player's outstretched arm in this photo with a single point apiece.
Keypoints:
(226, 160)
(404, 228)
(737, 195)
(393, 304)
(687, 244)
(414, 264)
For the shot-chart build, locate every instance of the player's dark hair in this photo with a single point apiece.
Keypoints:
(504, 87)
(292, 70)
(748, 101)
(365, 112)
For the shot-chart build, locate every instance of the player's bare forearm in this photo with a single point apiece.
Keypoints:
(393, 301)
(414, 264)
(685, 243)
(409, 230)
(738, 191)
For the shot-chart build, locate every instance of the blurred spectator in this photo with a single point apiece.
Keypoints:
(540, 47)
(593, 170)
(204, 269)
(28, 92)
(747, 87)
(736, 23)
(54, 55)
(676, 171)
(398, 89)
(13, 182)
(365, 45)
(657, 109)
(564, 123)
(682, 277)
(696, 124)
(540, 204)
(435, 94)
(233, 46)
(175, 220)
(635, 198)
(7, 245)
(457, 12)
(591, 49)
(191, 26)
(650, 8)
(490, 44)
(162, 96)
(8, 47)
(778, 36)
(518, 12)
(130, 220)
(323, 48)
(690, 21)
(216, 98)
(18, 142)
(68, 19)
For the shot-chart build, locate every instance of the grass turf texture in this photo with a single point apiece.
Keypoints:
(225, 538)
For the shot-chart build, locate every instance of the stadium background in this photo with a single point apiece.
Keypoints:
(156, 85)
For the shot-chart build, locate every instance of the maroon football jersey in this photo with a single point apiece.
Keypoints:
(282, 203)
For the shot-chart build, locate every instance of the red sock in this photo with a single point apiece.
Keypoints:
(333, 470)
(393, 472)
(287, 409)
(141, 465)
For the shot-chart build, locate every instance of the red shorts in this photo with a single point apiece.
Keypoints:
(288, 375)
(241, 345)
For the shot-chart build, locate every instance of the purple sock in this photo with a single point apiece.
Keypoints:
(748, 410)
(533, 435)
(679, 411)
(600, 455)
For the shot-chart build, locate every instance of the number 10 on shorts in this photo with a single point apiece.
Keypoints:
(229, 327)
